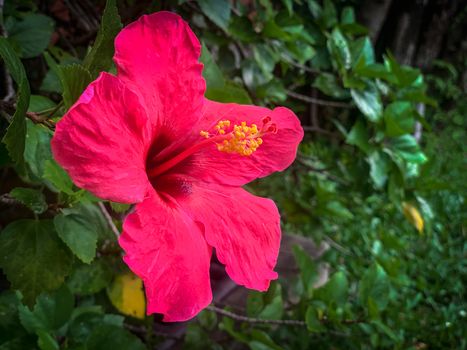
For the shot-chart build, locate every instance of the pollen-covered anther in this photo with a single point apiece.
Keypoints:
(242, 139)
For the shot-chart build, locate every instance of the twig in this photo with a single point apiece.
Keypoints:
(37, 119)
(254, 320)
(108, 218)
(337, 246)
(318, 101)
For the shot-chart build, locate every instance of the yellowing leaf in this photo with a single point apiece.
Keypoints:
(413, 216)
(126, 294)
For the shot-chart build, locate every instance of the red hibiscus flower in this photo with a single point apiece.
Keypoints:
(149, 136)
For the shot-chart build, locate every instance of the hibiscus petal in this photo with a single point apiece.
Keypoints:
(102, 141)
(158, 56)
(167, 250)
(276, 153)
(244, 229)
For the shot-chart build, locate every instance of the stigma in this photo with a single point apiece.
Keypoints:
(242, 138)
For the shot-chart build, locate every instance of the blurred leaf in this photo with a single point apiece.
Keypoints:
(308, 271)
(380, 166)
(339, 49)
(39, 103)
(31, 35)
(399, 118)
(413, 216)
(359, 136)
(74, 78)
(34, 260)
(374, 287)
(262, 341)
(231, 92)
(46, 341)
(37, 150)
(33, 199)
(406, 147)
(126, 294)
(78, 232)
(217, 11)
(110, 337)
(51, 312)
(327, 83)
(99, 58)
(334, 291)
(313, 323)
(241, 29)
(211, 72)
(362, 52)
(90, 279)
(329, 14)
(368, 102)
(15, 136)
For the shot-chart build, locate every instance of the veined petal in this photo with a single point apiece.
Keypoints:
(167, 250)
(102, 141)
(276, 153)
(157, 56)
(243, 228)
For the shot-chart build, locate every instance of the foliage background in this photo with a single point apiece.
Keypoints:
(379, 180)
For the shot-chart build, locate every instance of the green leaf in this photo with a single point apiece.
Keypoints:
(334, 291)
(312, 320)
(57, 177)
(90, 279)
(78, 232)
(368, 102)
(362, 52)
(374, 287)
(211, 72)
(339, 49)
(328, 84)
(231, 92)
(74, 78)
(406, 147)
(109, 337)
(46, 341)
(217, 11)
(379, 168)
(40, 103)
(15, 137)
(33, 258)
(399, 118)
(359, 136)
(51, 312)
(33, 199)
(329, 14)
(31, 35)
(308, 271)
(100, 56)
(37, 150)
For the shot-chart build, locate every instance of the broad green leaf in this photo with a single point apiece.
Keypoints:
(78, 232)
(211, 72)
(339, 49)
(334, 291)
(33, 257)
(15, 136)
(368, 102)
(374, 70)
(328, 84)
(241, 28)
(51, 312)
(90, 279)
(312, 320)
(362, 52)
(347, 15)
(217, 11)
(399, 118)
(359, 136)
(126, 294)
(47, 341)
(100, 56)
(31, 34)
(379, 168)
(374, 287)
(9, 320)
(74, 78)
(40, 103)
(329, 14)
(262, 341)
(110, 337)
(57, 177)
(407, 148)
(231, 92)
(307, 266)
(37, 150)
(274, 306)
(33, 199)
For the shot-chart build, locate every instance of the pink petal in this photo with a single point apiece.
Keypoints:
(244, 229)
(167, 250)
(276, 153)
(157, 56)
(102, 141)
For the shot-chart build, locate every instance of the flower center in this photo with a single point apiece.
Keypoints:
(241, 139)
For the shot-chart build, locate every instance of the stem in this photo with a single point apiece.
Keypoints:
(108, 218)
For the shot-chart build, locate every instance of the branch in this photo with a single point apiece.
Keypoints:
(108, 218)
(318, 101)
(254, 320)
